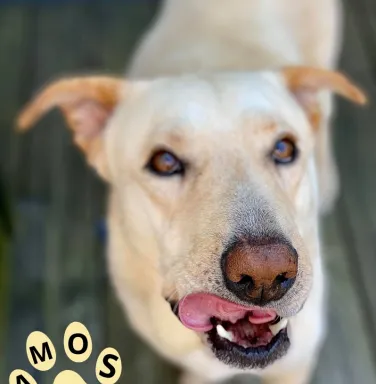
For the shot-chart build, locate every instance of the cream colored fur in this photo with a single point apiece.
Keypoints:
(217, 35)
(167, 234)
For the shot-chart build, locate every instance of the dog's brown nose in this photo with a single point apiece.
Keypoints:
(261, 271)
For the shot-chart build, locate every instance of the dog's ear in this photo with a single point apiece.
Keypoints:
(87, 103)
(305, 83)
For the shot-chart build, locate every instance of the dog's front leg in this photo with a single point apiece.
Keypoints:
(301, 375)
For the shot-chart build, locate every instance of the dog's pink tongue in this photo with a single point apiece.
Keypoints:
(196, 310)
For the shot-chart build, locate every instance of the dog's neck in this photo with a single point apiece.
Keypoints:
(215, 37)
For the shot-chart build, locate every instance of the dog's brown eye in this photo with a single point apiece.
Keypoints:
(284, 151)
(165, 163)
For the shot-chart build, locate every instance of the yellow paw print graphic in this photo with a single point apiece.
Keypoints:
(78, 347)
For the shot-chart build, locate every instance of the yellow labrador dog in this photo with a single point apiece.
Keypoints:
(217, 155)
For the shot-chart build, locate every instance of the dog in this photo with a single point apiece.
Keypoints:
(216, 150)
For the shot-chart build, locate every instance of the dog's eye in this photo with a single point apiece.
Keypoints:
(284, 151)
(164, 163)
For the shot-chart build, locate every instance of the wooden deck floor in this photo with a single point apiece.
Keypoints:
(56, 265)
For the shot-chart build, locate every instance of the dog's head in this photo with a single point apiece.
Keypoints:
(215, 180)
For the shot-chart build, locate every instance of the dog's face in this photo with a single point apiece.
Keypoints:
(215, 177)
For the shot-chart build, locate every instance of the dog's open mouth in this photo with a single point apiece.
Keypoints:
(243, 337)
(246, 334)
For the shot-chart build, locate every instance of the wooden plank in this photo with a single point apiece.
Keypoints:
(355, 152)
(14, 48)
(364, 12)
(124, 24)
(347, 330)
(16, 43)
(26, 285)
(58, 174)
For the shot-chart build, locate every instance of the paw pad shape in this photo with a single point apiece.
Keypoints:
(78, 347)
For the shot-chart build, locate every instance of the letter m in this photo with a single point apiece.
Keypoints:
(42, 357)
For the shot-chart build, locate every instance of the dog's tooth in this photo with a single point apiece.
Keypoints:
(224, 334)
(284, 322)
(275, 328)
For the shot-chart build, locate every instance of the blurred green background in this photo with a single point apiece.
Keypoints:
(52, 264)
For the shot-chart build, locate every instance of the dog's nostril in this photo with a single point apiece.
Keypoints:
(281, 278)
(246, 280)
(283, 281)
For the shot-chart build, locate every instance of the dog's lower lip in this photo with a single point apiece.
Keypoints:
(252, 357)
(248, 348)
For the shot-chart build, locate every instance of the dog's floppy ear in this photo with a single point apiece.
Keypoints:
(87, 103)
(306, 82)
